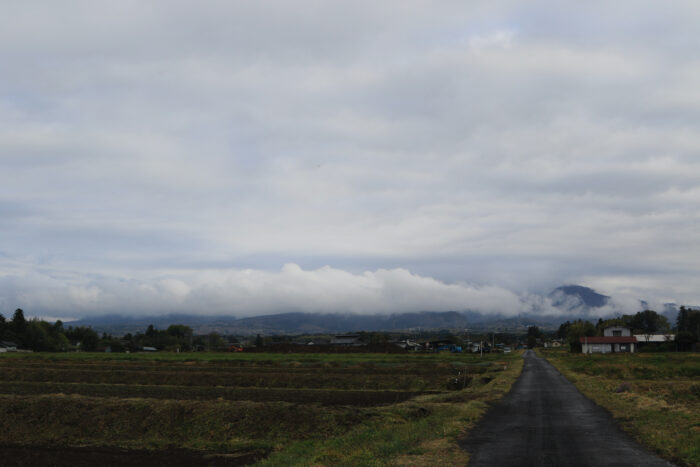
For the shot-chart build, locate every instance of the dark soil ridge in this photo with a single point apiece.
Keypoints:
(317, 380)
(322, 396)
(216, 368)
(22, 456)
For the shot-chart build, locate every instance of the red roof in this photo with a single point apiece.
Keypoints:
(609, 340)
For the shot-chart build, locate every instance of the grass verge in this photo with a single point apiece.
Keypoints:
(654, 397)
(421, 432)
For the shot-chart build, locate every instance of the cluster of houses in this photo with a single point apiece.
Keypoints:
(7, 346)
(434, 345)
(621, 339)
(356, 340)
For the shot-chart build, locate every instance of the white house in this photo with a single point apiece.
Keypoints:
(614, 339)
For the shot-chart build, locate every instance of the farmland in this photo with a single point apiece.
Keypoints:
(654, 396)
(236, 409)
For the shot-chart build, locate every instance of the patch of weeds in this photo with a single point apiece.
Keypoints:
(624, 387)
(695, 390)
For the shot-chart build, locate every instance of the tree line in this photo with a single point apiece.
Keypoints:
(33, 334)
(41, 336)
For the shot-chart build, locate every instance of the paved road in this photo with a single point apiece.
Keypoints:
(546, 421)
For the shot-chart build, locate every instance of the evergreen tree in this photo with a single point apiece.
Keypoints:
(87, 338)
(18, 326)
(533, 333)
(682, 321)
(563, 330)
(576, 330)
(3, 327)
(688, 322)
(649, 322)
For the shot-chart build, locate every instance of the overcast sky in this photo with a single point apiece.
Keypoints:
(250, 157)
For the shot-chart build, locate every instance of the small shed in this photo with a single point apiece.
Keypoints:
(655, 338)
(657, 341)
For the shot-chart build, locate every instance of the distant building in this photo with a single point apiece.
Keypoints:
(614, 339)
(407, 344)
(7, 346)
(347, 339)
(320, 341)
(655, 338)
(657, 342)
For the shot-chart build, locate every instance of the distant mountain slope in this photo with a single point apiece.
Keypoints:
(285, 323)
(311, 322)
(574, 296)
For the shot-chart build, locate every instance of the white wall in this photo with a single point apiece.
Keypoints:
(596, 348)
(609, 331)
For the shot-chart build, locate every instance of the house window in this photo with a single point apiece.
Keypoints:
(617, 333)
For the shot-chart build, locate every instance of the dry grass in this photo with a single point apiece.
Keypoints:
(435, 452)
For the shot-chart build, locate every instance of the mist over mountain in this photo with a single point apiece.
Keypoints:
(567, 302)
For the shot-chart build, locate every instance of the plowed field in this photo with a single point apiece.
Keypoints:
(220, 411)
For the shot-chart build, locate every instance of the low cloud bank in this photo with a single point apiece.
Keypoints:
(249, 292)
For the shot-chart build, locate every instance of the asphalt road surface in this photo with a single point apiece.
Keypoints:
(546, 421)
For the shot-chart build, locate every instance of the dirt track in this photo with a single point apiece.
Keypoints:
(546, 421)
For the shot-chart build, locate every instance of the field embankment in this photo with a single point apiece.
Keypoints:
(236, 409)
(654, 396)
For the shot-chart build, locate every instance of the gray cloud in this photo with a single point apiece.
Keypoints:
(517, 146)
(251, 292)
